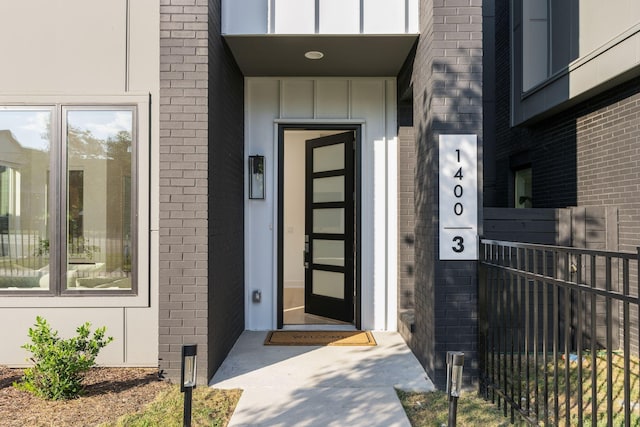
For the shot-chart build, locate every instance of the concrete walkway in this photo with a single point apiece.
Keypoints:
(320, 386)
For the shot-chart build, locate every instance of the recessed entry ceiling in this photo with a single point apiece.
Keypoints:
(358, 55)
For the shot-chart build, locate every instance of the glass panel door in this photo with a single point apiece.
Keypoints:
(329, 279)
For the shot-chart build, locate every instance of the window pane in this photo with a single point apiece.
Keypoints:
(99, 161)
(329, 189)
(328, 284)
(24, 216)
(328, 221)
(328, 252)
(523, 188)
(328, 158)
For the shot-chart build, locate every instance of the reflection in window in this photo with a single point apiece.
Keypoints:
(91, 239)
(24, 164)
(523, 188)
(99, 162)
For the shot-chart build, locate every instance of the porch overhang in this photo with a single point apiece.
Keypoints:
(344, 55)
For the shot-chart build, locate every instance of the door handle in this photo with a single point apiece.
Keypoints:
(305, 252)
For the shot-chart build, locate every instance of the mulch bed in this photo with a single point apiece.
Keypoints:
(109, 394)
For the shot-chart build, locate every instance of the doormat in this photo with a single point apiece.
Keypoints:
(320, 338)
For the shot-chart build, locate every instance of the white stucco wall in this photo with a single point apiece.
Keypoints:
(89, 52)
(369, 102)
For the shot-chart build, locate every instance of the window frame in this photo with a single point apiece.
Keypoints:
(62, 225)
(58, 295)
(515, 186)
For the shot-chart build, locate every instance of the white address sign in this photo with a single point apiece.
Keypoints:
(458, 201)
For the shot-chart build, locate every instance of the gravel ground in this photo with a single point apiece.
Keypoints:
(109, 394)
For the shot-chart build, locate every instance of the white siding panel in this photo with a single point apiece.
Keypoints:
(245, 16)
(71, 45)
(384, 16)
(600, 22)
(295, 16)
(297, 99)
(413, 24)
(392, 207)
(368, 102)
(144, 49)
(141, 337)
(339, 16)
(332, 99)
(262, 106)
(65, 321)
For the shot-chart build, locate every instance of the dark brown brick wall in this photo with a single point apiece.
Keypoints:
(201, 188)
(226, 195)
(406, 218)
(608, 163)
(447, 90)
(183, 184)
(586, 155)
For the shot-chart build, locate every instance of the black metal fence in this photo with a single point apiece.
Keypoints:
(559, 338)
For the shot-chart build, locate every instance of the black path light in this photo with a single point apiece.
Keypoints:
(455, 363)
(188, 378)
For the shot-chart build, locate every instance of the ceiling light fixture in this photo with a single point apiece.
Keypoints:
(314, 54)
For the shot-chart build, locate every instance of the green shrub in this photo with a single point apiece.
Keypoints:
(60, 364)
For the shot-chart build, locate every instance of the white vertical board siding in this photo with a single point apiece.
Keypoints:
(295, 16)
(297, 99)
(413, 24)
(384, 16)
(339, 16)
(262, 108)
(245, 16)
(332, 99)
(369, 102)
(333, 16)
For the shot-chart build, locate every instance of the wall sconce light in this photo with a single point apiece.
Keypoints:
(256, 177)
(188, 378)
(455, 363)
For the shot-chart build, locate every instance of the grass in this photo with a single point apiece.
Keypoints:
(432, 410)
(210, 407)
(570, 402)
(617, 389)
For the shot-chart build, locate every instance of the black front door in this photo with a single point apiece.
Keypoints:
(329, 227)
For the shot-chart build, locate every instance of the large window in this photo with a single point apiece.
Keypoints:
(549, 38)
(66, 199)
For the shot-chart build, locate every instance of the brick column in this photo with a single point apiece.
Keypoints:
(447, 78)
(183, 183)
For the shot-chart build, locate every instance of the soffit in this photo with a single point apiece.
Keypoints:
(348, 55)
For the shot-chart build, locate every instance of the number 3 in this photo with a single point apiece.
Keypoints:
(459, 242)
